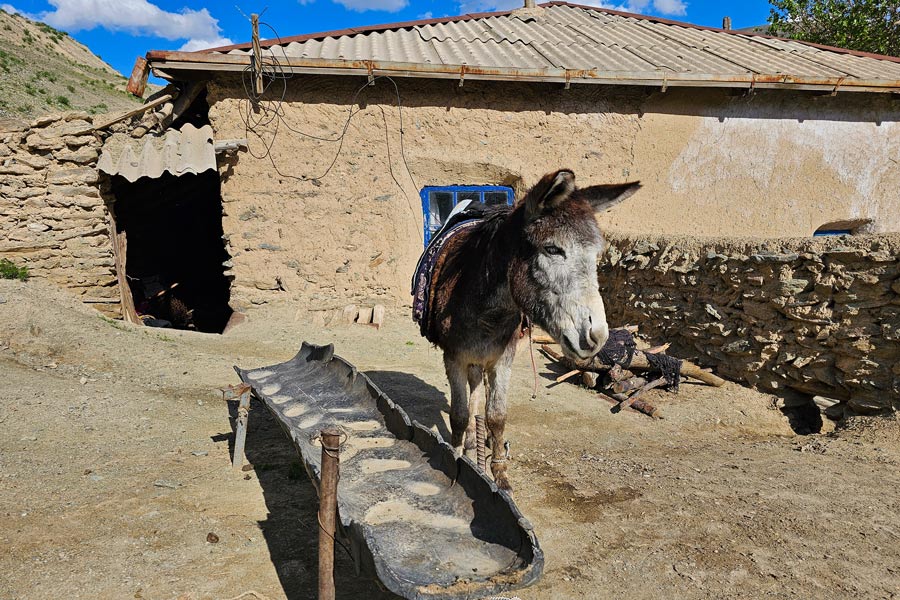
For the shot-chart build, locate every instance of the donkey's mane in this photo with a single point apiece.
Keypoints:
(488, 243)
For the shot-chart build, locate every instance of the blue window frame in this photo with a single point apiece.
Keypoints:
(438, 201)
(826, 232)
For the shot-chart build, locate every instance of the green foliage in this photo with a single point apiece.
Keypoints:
(7, 61)
(10, 271)
(26, 37)
(71, 88)
(56, 34)
(63, 101)
(51, 77)
(864, 25)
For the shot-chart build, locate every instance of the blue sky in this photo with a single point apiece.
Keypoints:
(121, 30)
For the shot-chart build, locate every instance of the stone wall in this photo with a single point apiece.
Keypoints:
(52, 217)
(818, 316)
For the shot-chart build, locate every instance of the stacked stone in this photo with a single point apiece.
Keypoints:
(53, 219)
(812, 316)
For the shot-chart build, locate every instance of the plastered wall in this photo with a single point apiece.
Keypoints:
(306, 222)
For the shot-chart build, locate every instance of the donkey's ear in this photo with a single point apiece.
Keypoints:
(604, 197)
(552, 189)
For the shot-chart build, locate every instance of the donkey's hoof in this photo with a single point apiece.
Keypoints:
(503, 483)
(500, 477)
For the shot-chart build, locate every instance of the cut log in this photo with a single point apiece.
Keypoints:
(638, 363)
(628, 385)
(589, 379)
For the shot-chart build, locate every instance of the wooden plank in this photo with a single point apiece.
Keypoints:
(120, 252)
(135, 111)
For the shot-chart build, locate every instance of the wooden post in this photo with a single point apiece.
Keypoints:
(331, 447)
(240, 431)
(257, 56)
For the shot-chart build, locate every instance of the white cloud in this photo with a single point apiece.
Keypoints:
(9, 8)
(138, 17)
(364, 5)
(195, 44)
(665, 7)
(425, 15)
(670, 7)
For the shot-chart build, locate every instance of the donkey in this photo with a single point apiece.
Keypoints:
(534, 262)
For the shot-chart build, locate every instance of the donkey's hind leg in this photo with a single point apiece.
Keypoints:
(459, 402)
(476, 402)
(498, 387)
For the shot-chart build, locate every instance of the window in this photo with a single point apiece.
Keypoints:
(848, 227)
(438, 202)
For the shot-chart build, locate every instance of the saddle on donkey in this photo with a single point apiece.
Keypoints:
(465, 215)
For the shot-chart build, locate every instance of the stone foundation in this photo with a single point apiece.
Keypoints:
(53, 219)
(818, 316)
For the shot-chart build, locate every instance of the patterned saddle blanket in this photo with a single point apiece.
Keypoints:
(465, 215)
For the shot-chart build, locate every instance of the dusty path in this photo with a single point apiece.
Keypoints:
(114, 447)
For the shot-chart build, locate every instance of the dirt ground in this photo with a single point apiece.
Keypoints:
(114, 468)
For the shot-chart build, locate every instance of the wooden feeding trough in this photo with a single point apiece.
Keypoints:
(427, 524)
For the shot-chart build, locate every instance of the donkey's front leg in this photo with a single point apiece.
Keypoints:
(459, 402)
(498, 387)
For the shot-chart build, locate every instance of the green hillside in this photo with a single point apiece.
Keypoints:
(43, 70)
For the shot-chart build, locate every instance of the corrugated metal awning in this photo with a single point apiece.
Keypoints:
(188, 150)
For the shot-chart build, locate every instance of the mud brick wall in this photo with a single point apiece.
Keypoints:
(53, 219)
(818, 316)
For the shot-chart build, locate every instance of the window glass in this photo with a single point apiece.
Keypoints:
(495, 198)
(439, 206)
(461, 196)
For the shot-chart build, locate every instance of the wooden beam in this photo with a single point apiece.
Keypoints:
(135, 111)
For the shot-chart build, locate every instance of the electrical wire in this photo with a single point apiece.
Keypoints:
(263, 119)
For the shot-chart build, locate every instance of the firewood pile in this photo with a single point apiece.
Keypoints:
(625, 369)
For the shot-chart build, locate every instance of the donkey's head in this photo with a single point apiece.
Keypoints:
(553, 277)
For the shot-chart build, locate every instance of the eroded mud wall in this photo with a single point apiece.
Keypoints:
(355, 233)
(772, 164)
(818, 316)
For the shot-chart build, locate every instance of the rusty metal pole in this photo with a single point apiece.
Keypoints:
(331, 445)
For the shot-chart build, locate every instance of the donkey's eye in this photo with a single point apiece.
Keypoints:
(554, 251)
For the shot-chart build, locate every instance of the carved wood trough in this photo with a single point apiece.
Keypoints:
(426, 524)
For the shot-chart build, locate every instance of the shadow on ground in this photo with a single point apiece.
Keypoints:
(291, 529)
(422, 401)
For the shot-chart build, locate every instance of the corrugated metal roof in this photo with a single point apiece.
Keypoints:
(558, 40)
(176, 151)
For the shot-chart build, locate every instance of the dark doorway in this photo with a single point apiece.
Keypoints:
(174, 249)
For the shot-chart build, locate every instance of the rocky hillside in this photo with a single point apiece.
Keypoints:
(43, 70)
